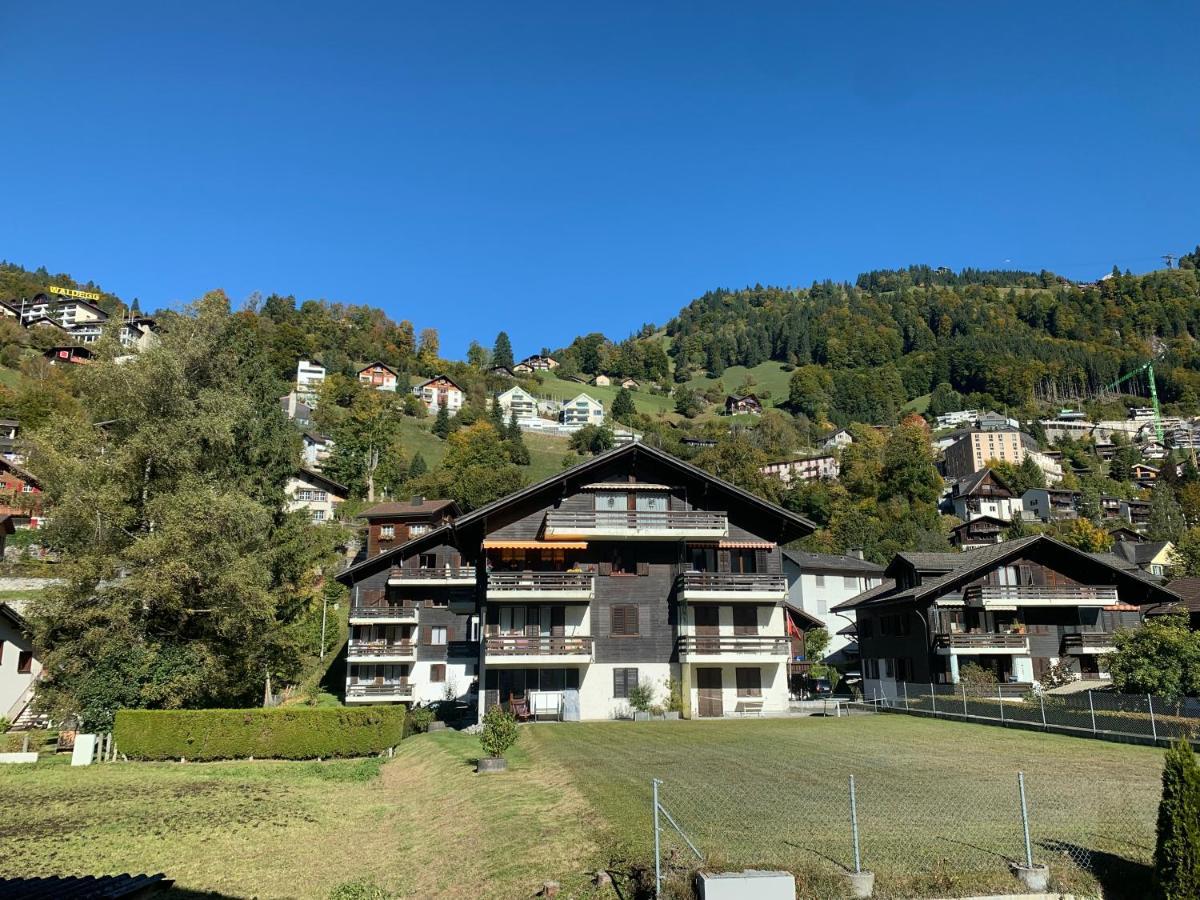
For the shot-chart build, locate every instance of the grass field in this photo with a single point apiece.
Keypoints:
(546, 451)
(937, 807)
(643, 400)
(769, 376)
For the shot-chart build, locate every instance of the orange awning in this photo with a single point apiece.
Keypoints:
(734, 545)
(534, 545)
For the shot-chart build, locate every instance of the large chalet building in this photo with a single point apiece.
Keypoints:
(631, 568)
(1016, 608)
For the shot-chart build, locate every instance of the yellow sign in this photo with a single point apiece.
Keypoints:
(69, 292)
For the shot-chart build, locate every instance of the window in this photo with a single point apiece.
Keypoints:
(24, 662)
(415, 530)
(387, 532)
(624, 620)
(850, 583)
(437, 673)
(822, 606)
(872, 668)
(318, 515)
(887, 668)
(623, 680)
(437, 635)
(749, 682)
(820, 581)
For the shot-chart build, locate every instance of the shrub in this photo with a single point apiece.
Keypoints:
(641, 695)
(287, 732)
(1177, 850)
(419, 718)
(674, 696)
(976, 675)
(4, 724)
(499, 731)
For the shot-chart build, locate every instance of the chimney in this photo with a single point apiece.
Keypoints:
(417, 500)
(856, 552)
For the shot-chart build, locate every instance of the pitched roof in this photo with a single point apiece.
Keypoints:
(969, 522)
(9, 612)
(330, 485)
(24, 474)
(869, 594)
(832, 562)
(968, 484)
(380, 365)
(1188, 590)
(437, 378)
(1140, 553)
(404, 509)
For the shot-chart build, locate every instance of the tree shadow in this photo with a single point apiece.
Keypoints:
(86, 886)
(1120, 878)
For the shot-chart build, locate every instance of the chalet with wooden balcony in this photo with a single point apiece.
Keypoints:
(395, 523)
(982, 493)
(983, 531)
(631, 567)
(1016, 608)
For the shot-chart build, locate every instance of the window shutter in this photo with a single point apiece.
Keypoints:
(760, 560)
(722, 560)
(426, 635)
(618, 620)
(643, 568)
(449, 633)
(631, 620)
(428, 603)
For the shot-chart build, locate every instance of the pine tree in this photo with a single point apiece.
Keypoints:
(1177, 850)
(1166, 516)
(418, 466)
(623, 408)
(517, 451)
(496, 414)
(502, 352)
(441, 425)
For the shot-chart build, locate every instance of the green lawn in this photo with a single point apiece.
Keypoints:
(937, 806)
(769, 376)
(546, 451)
(558, 389)
(10, 378)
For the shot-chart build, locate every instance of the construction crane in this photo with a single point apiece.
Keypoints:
(1148, 368)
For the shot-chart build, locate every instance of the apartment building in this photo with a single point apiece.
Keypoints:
(1017, 609)
(310, 375)
(1051, 504)
(974, 450)
(812, 468)
(818, 582)
(519, 402)
(582, 410)
(440, 393)
(632, 567)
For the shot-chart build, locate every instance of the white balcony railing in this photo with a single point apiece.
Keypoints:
(1039, 595)
(640, 523)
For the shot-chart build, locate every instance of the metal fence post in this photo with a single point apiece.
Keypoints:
(1153, 724)
(1000, 697)
(1025, 820)
(854, 827)
(933, 697)
(964, 687)
(1092, 710)
(1042, 703)
(657, 847)
(905, 685)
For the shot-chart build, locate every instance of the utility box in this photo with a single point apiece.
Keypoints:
(749, 885)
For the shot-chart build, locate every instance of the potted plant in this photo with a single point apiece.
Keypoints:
(498, 735)
(641, 697)
(674, 700)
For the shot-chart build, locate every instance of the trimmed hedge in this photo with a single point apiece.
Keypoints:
(289, 732)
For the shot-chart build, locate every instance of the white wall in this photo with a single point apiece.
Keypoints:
(774, 687)
(13, 684)
(817, 593)
(596, 699)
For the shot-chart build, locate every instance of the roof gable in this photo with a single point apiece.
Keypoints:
(316, 478)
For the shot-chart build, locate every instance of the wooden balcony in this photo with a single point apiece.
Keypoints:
(381, 651)
(442, 576)
(1011, 596)
(371, 692)
(383, 614)
(757, 588)
(957, 644)
(636, 524)
(542, 650)
(1087, 643)
(549, 586)
(731, 648)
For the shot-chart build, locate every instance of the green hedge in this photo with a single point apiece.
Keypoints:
(289, 732)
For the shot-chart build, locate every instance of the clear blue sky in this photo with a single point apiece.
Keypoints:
(557, 168)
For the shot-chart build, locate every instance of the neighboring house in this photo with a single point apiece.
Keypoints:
(296, 409)
(1016, 609)
(817, 582)
(582, 410)
(1074, 429)
(20, 495)
(630, 384)
(1143, 474)
(602, 381)
(391, 524)
(736, 405)
(811, 468)
(8, 439)
(993, 421)
(138, 333)
(538, 363)
(519, 401)
(981, 531)
(629, 568)
(378, 375)
(66, 312)
(983, 493)
(315, 449)
(440, 393)
(313, 492)
(1051, 467)
(1110, 507)
(1156, 557)
(501, 371)
(839, 440)
(48, 324)
(522, 369)
(1051, 504)
(956, 419)
(19, 666)
(1153, 450)
(310, 375)
(976, 449)
(68, 355)
(1125, 533)
(1135, 512)
(1188, 591)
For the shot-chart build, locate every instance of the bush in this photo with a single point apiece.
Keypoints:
(288, 732)
(419, 718)
(499, 731)
(674, 696)
(976, 675)
(641, 695)
(1177, 850)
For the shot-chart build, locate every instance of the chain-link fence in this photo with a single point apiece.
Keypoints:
(958, 834)
(1095, 713)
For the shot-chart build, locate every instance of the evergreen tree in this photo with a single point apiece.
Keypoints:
(496, 414)
(502, 351)
(1166, 516)
(441, 423)
(623, 409)
(517, 451)
(1177, 848)
(418, 466)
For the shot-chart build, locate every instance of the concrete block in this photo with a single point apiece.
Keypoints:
(18, 757)
(751, 884)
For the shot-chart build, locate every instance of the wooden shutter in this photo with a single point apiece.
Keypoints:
(618, 620)
(760, 560)
(449, 633)
(745, 620)
(426, 635)
(643, 568)
(722, 560)
(749, 682)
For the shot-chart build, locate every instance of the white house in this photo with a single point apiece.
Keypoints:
(956, 419)
(315, 449)
(378, 375)
(602, 381)
(519, 401)
(19, 667)
(582, 410)
(310, 375)
(838, 440)
(440, 392)
(983, 493)
(811, 468)
(313, 492)
(817, 582)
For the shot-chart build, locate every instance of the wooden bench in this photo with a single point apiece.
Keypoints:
(748, 708)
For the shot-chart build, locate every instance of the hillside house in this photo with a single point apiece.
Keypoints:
(440, 393)
(68, 354)
(138, 333)
(1144, 474)
(956, 419)
(310, 375)
(315, 494)
(537, 363)
(742, 405)
(1135, 512)
(602, 381)
(1051, 504)
(501, 372)
(631, 384)
(315, 449)
(817, 582)
(993, 421)
(1156, 557)
(982, 493)
(20, 495)
(1016, 609)
(839, 440)
(296, 409)
(629, 568)
(516, 400)
(582, 410)
(812, 468)
(395, 523)
(981, 531)
(380, 376)
(19, 666)
(8, 440)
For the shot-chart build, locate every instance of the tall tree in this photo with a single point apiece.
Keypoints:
(623, 409)
(1177, 847)
(477, 356)
(1166, 515)
(366, 450)
(476, 470)
(441, 423)
(502, 351)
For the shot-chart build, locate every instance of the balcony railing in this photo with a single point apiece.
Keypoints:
(988, 641)
(753, 583)
(388, 690)
(520, 645)
(500, 583)
(432, 575)
(1039, 595)
(633, 522)
(372, 649)
(1088, 642)
(704, 645)
(398, 612)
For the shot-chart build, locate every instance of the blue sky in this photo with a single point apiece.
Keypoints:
(557, 168)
